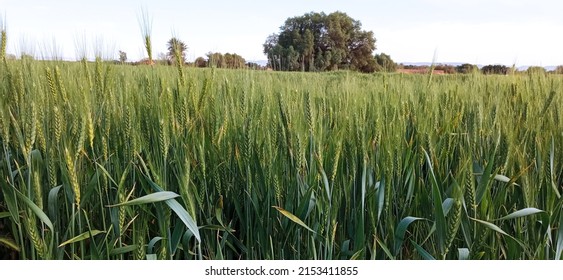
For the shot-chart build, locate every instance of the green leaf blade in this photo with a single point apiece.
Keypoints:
(149, 198)
(293, 218)
(81, 237)
(401, 230)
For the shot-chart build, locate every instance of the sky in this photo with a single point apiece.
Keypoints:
(520, 32)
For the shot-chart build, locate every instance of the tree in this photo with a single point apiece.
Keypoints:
(320, 42)
(536, 70)
(215, 60)
(234, 61)
(495, 69)
(559, 69)
(448, 69)
(273, 50)
(176, 51)
(228, 60)
(200, 62)
(122, 57)
(385, 63)
(466, 68)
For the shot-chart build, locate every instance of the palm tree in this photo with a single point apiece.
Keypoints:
(177, 51)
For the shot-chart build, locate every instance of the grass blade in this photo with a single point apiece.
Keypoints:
(485, 178)
(179, 210)
(38, 212)
(401, 230)
(293, 218)
(504, 179)
(149, 198)
(152, 243)
(499, 230)
(185, 217)
(439, 216)
(9, 243)
(522, 213)
(528, 212)
(380, 197)
(384, 248)
(423, 253)
(82, 236)
(491, 226)
(559, 246)
(463, 254)
(52, 202)
(123, 250)
(552, 169)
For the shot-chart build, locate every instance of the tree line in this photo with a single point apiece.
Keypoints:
(176, 54)
(466, 68)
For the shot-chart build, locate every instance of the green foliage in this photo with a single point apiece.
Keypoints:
(230, 61)
(320, 42)
(448, 69)
(234, 61)
(200, 62)
(260, 165)
(176, 51)
(535, 70)
(385, 63)
(495, 69)
(122, 57)
(467, 68)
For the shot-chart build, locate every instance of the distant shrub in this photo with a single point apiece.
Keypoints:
(495, 69)
(536, 70)
(384, 63)
(466, 68)
(200, 62)
(448, 69)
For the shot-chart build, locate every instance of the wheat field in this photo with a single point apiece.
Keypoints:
(104, 161)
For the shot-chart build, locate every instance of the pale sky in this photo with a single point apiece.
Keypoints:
(520, 32)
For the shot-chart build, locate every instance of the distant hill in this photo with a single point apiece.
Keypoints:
(520, 68)
(548, 68)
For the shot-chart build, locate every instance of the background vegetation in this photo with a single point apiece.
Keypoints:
(320, 42)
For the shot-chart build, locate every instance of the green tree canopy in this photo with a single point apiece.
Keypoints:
(176, 51)
(536, 70)
(215, 60)
(320, 42)
(467, 68)
(234, 61)
(122, 57)
(200, 62)
(495, 69)
(228, 60)
(385, 63)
